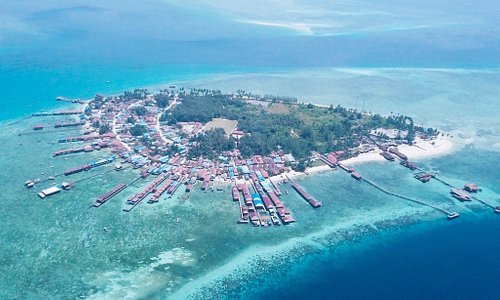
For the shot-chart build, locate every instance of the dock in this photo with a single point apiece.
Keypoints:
(57, 113)
(64, 99)
(69, 124)
(313, 202)
(110, 194)
(137, 198)
(450, 215)
(276, 189)
(178, 184)
(330, 163)
(496, 209)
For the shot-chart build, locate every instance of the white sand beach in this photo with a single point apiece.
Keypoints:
(438, 146)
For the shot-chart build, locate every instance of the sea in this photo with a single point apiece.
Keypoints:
(438, 62)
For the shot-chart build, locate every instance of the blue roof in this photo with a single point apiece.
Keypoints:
(257, 200)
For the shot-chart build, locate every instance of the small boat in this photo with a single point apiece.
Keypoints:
(453, 216)
(460, 194)
(29, 184)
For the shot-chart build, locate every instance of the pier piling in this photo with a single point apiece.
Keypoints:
(448, 213)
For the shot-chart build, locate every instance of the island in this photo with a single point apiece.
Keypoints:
(242, 142)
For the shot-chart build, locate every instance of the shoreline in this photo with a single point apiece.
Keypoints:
(422, 149)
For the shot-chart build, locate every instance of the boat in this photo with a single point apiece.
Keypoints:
(471, 188)
(423, 177)
(395, 151)
(275, 220)
(387, 155)
(497, 209)
(410, 165)
(460, 194)
(356, 175)
(49, 191)
(453, 215)
(29, 184)
(66, 185)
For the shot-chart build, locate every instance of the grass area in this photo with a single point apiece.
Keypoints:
(227, 125)
(317, 163)
(279, 108)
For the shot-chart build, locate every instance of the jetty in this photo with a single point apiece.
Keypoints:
(110, 194)
(69, 124)
(450, 215)
(314, 203)
(276, 189)
(137, 198)
(496, 209)
(175, 185)
(64, 99)
(57, 113)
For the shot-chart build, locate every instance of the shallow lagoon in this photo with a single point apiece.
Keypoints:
(59, 247)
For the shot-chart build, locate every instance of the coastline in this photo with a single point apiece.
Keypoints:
(441, 145)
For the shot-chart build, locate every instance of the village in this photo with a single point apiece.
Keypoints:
(134, 132)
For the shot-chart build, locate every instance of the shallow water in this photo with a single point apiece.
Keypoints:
(59, 246)
(444, 74)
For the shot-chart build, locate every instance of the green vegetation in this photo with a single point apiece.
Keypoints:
(162, 100)
(200, 109)
(303, 129)
(104, 129)
(211, 144)
(131, 120)
(140, 110)
(138, 130)
(137, 94)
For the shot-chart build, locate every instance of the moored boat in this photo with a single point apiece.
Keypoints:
(460, 194)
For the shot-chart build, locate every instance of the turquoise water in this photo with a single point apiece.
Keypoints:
(445, 74)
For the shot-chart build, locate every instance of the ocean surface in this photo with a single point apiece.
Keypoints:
(436, 61)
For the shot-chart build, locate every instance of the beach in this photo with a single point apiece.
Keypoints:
(421, 149)
(436, 61)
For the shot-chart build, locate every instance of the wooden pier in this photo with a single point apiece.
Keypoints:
(64, 99)
(496, 209)
(57, 113)
(181, 181)
(447, 213)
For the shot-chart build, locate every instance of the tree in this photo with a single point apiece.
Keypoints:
(140, 110)
(138, 130)
(131, 120)
(104, 129)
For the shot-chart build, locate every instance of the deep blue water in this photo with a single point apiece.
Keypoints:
(445, 260)
(141, 47)
(435, 260)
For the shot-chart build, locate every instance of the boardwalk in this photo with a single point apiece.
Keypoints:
(448, 213)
